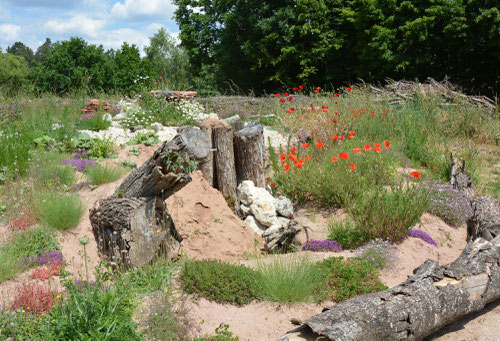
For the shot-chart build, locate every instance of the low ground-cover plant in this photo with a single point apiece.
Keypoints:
(348, 278)
(94, 121)
(58, 210)
(104, 173)
(322, 246)
(25, 246)
(219, 281)
(148, 278)
(32, 298)
(447, 203)
(147, 139)
(289, 280)
(389, 214)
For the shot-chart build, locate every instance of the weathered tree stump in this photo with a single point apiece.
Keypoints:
(208, 164)
(224, 159)
(250, 154)
(434, 297)
(133, 227)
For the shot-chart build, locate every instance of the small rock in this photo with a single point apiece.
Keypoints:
(156, 126)
(255, 225)
(135, 128)
(245, 192)
(280, 223)
(284, 206)
(264, 210)
(244, 210)
(119, 117)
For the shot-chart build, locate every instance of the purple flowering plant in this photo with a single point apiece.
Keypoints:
(422, 235)
(447, 203)
(80, 164)
(322, 245)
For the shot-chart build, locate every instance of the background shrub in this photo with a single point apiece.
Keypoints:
(104, 173)
(58, 210)
(389, 215)
(219, 281)
(348, 235)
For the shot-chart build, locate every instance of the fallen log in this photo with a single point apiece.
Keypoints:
(430, 299)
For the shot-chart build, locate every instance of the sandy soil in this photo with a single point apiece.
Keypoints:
(211, 230)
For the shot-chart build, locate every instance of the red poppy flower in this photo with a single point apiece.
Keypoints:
(273, 185)
(316, 91)
(308, 157)
(387, 144)
(349, 89)
(336, 112)
(295, 89)
(290, 110)
(282, 100)
(356, 114)
(292, 157)
(286, 168)
(334, 137)
(336, 95)
(356, 150)
(336, 102)
(415, 175)
(156, 83)
(282, 156)
(387, 110)
(367, 147)
(331, 97)
(305, 145)
(302, 160)
(318, 88)
(289, 99)
(353, 167)
(341, 137)
(301, 87)
(392, 119)
(335, 121)
(298, 165)
(293, 150)
(349, 137)
(324, 109)
(283, 162)
(267, 179)
(276, 95)
(285, 94)
(376, 144)
(344, 156)
(377, 149)
(319, 144)
(334, 159)
(351, 132)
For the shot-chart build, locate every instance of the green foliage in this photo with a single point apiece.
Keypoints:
(92, 312)
(128, 165)
(24, 245)
(58, 210)
(102, 174)
(53, 174)
(288, 280)
(220, 282)
(388, 214)
(166, 113)
(349, 278)
(177, 162)
(168, 60)
(148, 278)
(348, 235)
(21, 50)
(222, 333)
(95, 123)
(254, 45)
(13, 72)
(101, 148)
(148, 139)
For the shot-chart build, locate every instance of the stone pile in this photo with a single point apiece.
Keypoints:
(268, 216)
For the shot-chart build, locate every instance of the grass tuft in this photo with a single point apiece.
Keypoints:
(57, 210)
(102, 174)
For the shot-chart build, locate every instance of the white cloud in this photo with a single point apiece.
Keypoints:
(80, 24)
(9, 32)
(143, 9)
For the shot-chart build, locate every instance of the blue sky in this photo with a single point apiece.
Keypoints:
(106, 22)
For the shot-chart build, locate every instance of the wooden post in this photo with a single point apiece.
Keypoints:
(250, 154)
(225, 172)
(207, 165)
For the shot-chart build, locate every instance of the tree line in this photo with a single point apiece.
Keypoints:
(264, 45)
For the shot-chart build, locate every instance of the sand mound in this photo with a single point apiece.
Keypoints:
(208, 226)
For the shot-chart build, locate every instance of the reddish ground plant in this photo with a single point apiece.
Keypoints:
(44, 273)
(32, 298)
(23, 221)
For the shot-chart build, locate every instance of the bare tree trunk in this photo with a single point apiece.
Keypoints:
(250, 154)
(224, 159)
(207, 165)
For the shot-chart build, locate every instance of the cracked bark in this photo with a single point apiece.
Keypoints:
(133, 227)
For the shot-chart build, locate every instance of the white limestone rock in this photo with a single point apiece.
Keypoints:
(284, 206)
(263, 209)
(244, 210)
(246, 192)
(255, 225)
